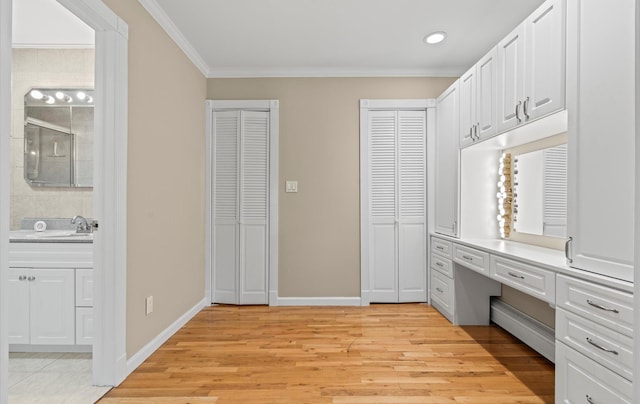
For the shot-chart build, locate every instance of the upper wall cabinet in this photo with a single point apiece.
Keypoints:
(447, 162)
(602, 108)
(531, 67)
(478, 91)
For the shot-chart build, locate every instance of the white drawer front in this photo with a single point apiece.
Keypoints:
(532, 280)
(442, 265)
(471, 258)
(84, 287)
(610, 307)
(441, 247)
(599, 343)
(442, 292)
(84, 325)
(581, 380)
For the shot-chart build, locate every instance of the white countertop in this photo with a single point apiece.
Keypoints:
(546, 258)
(49, 236)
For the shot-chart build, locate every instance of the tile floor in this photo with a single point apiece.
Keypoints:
(52, 378)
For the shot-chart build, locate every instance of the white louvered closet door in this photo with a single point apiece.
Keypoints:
(397, 206)
(240, 206)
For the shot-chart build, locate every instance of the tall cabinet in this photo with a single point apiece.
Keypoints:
(601, 101)
(397, 233)
(240, 204)
(447, 156)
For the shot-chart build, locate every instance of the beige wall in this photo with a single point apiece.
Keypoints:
(45, 68)
(319, 147)
(165, 245)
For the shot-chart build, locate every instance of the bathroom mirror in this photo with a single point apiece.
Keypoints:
(540, 192)
(58, 138)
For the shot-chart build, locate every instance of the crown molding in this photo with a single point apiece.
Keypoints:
(329, 72)
(175, 34)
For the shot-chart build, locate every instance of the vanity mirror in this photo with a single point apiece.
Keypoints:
(58, 138)
(540, 192)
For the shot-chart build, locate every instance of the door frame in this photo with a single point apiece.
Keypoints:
(366, 105)
(273, 107)
(110, 186)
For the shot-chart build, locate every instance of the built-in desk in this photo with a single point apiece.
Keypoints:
(594, 313)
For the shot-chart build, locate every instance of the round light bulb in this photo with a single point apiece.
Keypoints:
(59, 95)
(81, 96)
(89, 99)
(49, 99)
(35, 94)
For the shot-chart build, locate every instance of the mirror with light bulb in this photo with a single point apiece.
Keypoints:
(538, 187)
(58, 138)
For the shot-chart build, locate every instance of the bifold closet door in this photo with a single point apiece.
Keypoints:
(240, 206)
(397, 200)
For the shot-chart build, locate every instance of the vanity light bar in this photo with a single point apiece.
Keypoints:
(504, 195)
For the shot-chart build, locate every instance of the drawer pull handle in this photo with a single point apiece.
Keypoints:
(440, 290)
(439, 264)
(600, 347)
(515, 275)
(467, 258)
(590, 400)
(439, 247)
(597, 306)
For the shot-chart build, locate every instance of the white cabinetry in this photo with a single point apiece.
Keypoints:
(478, 91)
(447, 162)
(601, 102)
(43, 300)
(531, 67)
(397, 233)
(84, 306)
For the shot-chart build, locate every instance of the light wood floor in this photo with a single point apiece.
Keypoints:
(405, 353)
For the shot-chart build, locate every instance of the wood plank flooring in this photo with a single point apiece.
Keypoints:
(405, 353)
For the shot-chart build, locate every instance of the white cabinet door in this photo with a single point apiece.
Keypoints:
(468, 99)
(447, 163)
(545, 60)
(18, 301)
(412, 206)
(84, 287)
(601, 44)
(52, 306)
(240, 206)
(487, 93)
(511, 70)
(84, 325)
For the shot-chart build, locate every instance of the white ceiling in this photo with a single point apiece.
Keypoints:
(245, 38)
(47, 24)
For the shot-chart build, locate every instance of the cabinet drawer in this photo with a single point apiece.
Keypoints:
(610, 348)
(581, 380)
(442, 265)
(607, 306)
(442, 293)
(441, 247)
(531, 280)
(84, 287)
(471, 258)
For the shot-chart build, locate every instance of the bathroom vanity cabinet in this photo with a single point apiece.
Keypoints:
(50, 293)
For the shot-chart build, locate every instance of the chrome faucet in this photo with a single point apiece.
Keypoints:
(82, 224)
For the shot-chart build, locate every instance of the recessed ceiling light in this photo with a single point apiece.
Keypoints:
(435, 37)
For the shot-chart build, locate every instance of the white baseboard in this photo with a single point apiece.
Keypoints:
(538, 336)
(146, 351)
(318, 301)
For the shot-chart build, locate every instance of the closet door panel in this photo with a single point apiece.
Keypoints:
(253, 261)
(412, 263)
(411, 169)
(225, 255)
(254, 203)
(383, 260)
(225, 206)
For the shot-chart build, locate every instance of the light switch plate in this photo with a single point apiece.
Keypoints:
(291, 186)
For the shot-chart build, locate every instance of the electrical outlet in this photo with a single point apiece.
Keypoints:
(148, 305)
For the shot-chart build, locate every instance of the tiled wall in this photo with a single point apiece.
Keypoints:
(45, 68)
